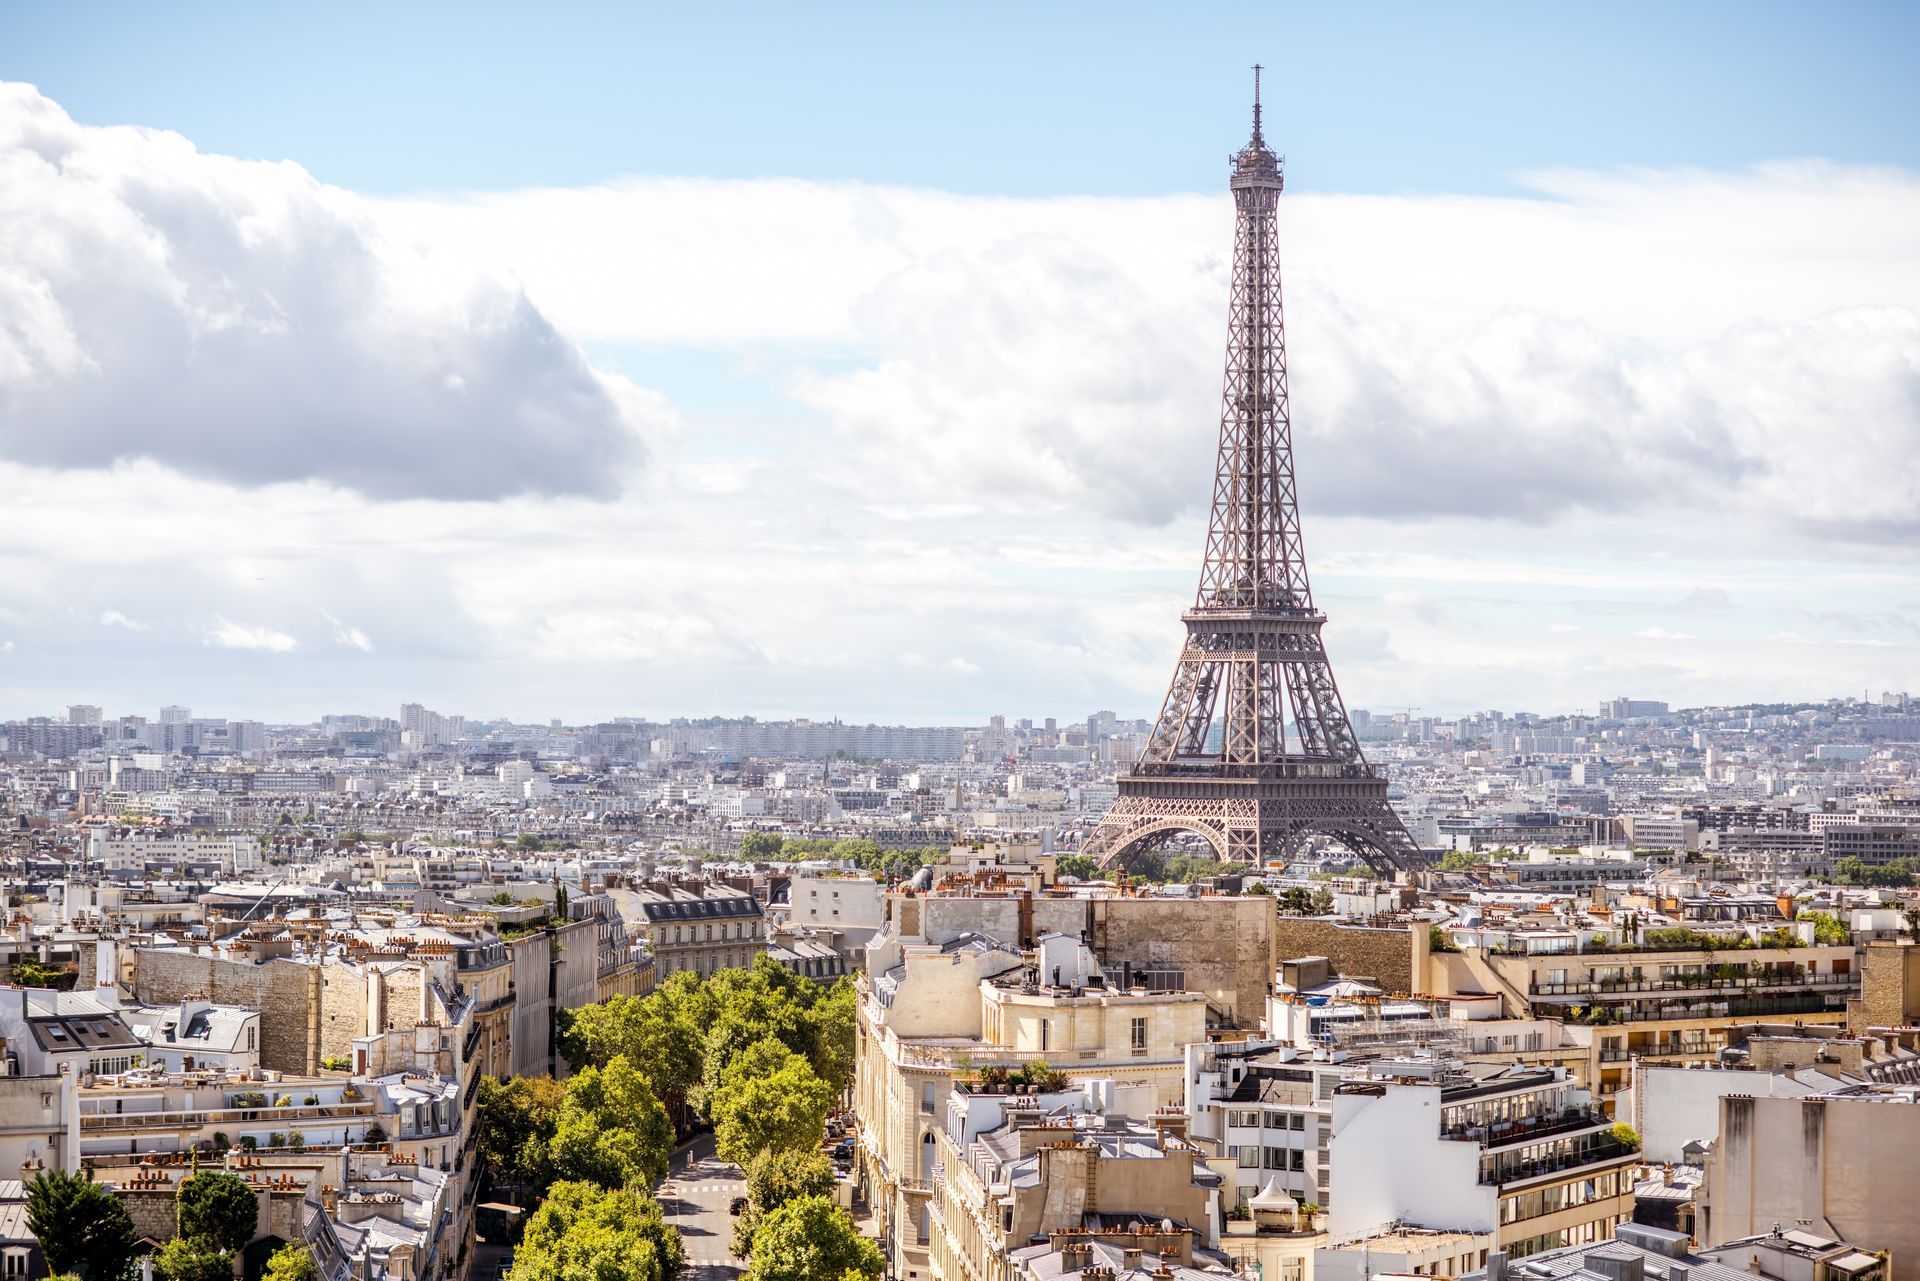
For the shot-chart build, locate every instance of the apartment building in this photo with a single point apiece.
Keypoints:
(932, 1015)
(1520, 1153)
(1268, 1109)
(1844, 1163)
(1642, 1001)
(1014, 1169)
(693, 926)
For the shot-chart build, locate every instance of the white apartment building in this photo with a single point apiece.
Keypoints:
(1520, 1152)
(854, 905)
(1270, 1108)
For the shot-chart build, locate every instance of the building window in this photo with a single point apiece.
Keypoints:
(1139, 1036)
(1248, 1156)
(1298, 1121)
(1276, 1158)
(1046, 1035)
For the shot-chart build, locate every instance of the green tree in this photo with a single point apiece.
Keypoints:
(654, 1034)
(82, 1228)
(755, 1110)
(835, 1018)
(502, 899)
(220, 1207)
(1296, 901)
(760, 846)
(1458, 861)
(1079, 866)
(30, 972)
(1827, 928)
(586, 1233)
(1437, 940)
(514, 1125)
(292, 1262)
(188, 1258)
(527, 841)
(811, 1239)
(610, 1129)
(773, 1179)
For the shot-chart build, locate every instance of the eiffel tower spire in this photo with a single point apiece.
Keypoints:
(1252, 749)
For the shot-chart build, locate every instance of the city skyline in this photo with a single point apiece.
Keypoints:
(556, 439)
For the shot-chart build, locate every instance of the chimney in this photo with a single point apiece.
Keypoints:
(1497, 1265)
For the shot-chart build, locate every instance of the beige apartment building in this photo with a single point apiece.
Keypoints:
(1674, 1005)
(932, 1015)
(1073, 1166)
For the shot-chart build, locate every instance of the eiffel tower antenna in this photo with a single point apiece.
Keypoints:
(1256, 104)
(1252, 749)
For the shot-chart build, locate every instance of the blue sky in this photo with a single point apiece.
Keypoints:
(1017, 99)
(864, 361)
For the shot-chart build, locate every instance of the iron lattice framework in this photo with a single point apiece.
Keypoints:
(1220, 762)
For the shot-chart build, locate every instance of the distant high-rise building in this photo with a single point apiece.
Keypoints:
(83, 714)
(1628, 709)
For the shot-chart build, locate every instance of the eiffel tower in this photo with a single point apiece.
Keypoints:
(1221, 763)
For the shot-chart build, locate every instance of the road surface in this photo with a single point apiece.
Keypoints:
(698, 1187)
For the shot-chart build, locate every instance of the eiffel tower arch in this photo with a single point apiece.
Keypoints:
(1252, 750)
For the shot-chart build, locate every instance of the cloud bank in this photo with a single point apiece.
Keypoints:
(241, 321)
(1746, 342)
(272, 447)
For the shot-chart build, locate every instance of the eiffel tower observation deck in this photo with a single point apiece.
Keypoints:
(1252, 750)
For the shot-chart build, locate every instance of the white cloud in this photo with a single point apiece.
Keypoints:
(1738, 342)
(1664, 634)
(228, 634)
(351, 637)
(114, 618)
(947, 427)
(240, 320)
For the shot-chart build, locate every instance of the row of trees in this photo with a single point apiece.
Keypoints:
(1895, 872)
(895, 865)
(760, 1053)
(85, 1232)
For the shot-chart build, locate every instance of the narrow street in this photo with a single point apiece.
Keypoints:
(698, 1188)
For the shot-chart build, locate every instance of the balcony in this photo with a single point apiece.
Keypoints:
(1661, 1050)
(1722, 1007)
(1609, 988)
(180, 1119)
(1597, 1149)
(1529, 1130)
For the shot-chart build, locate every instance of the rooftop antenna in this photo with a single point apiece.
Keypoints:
(1256, 104)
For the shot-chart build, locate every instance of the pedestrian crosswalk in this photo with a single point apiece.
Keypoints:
(687, 1189)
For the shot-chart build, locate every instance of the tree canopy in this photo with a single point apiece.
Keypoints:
(597, 1234)
(769, 1099)
(811, 1239)
(292, 1262)
(187, 1258)
(82, 1228)
(220, 1207)
(773, 1179)
(514, 1125)
(1079, 866)
(610, 1129)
